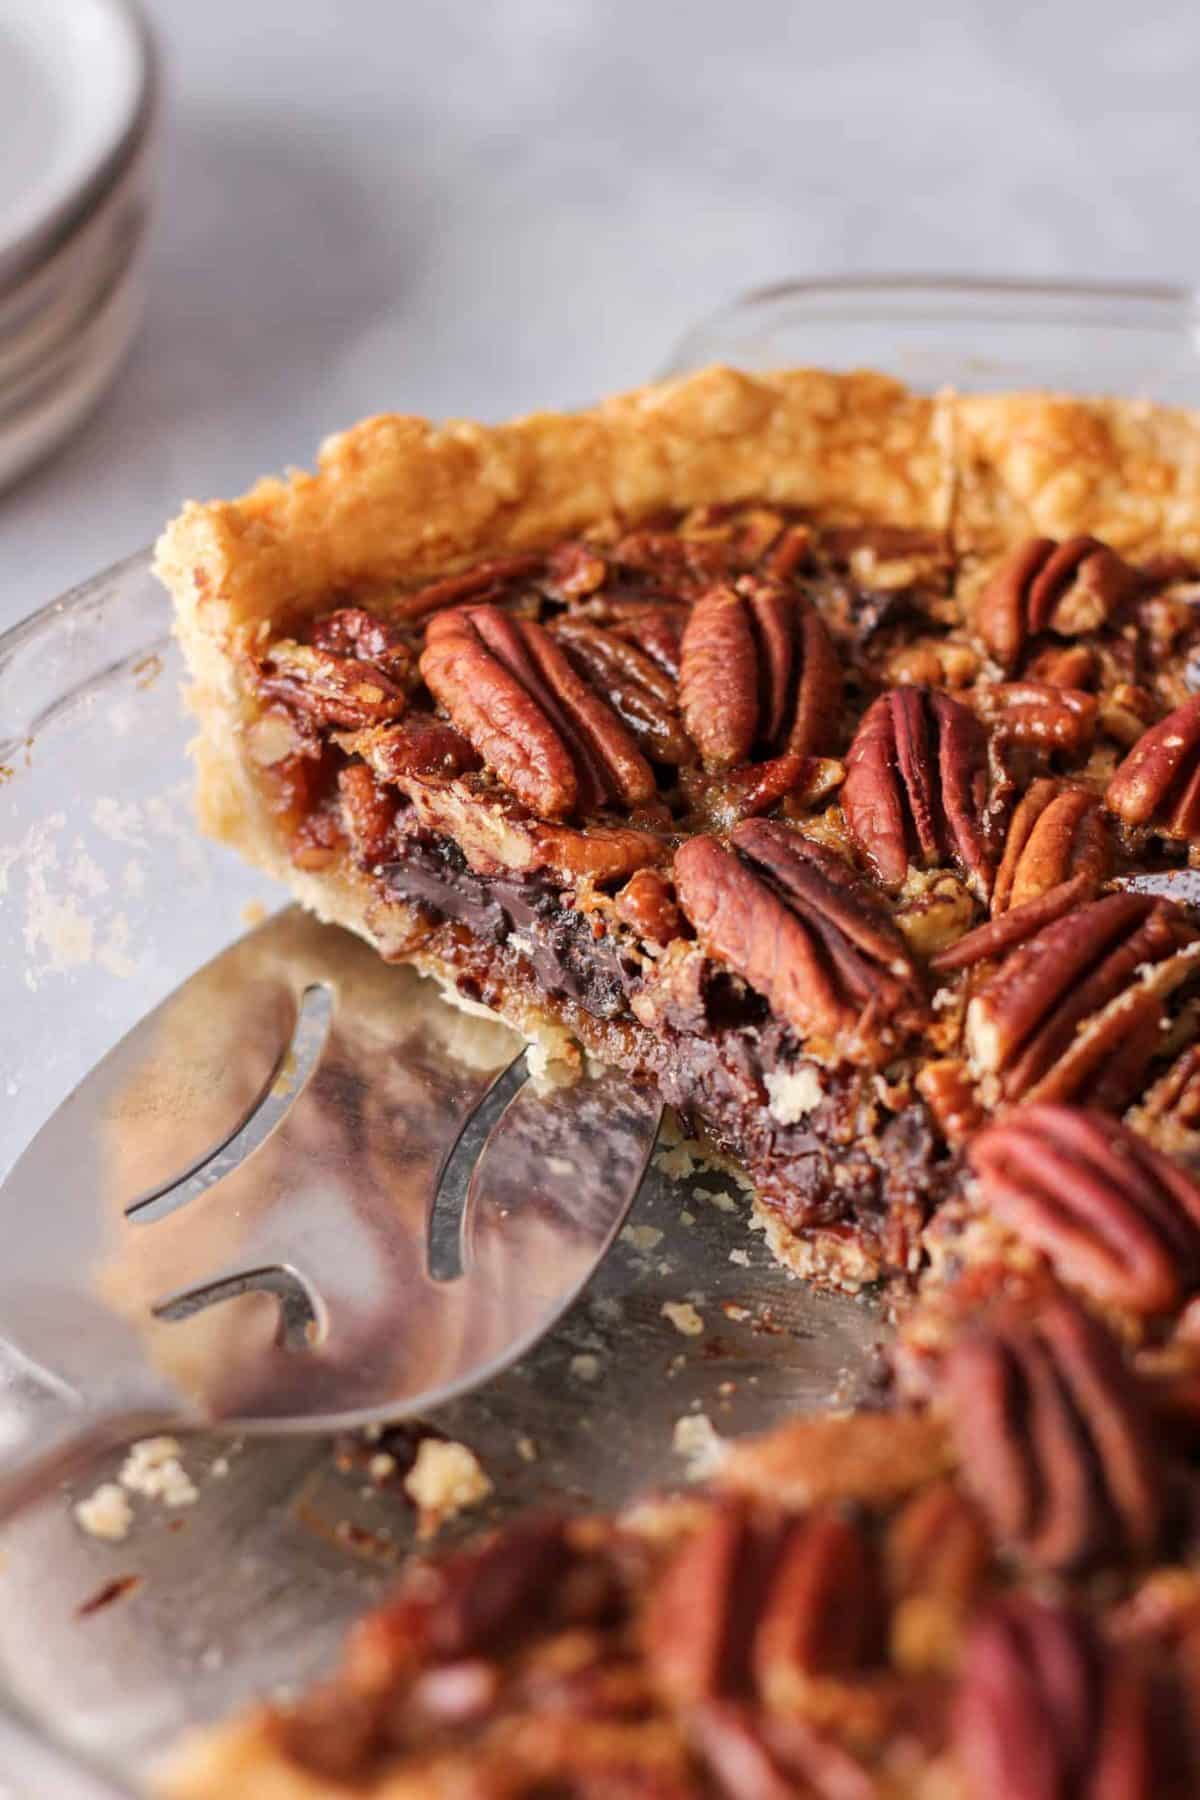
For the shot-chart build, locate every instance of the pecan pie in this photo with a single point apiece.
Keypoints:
(823, 753)
(829, 756)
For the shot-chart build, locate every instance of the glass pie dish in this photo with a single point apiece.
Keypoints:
(108, 898)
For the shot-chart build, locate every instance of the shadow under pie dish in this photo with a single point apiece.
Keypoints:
(826, 754)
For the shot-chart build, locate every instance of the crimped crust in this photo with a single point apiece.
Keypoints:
(398, 499)
(1054, 466)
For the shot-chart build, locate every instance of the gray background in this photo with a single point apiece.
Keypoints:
(448, 206)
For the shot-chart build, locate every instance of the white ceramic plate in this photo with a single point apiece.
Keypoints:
(74, 81)
(71, 383)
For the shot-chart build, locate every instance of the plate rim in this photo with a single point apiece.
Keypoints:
(51, 224)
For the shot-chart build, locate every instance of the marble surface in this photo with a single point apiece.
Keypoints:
(449, 206)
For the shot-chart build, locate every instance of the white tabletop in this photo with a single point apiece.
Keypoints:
(455, 207)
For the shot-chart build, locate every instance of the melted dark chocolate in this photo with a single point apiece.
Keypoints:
(556, 941)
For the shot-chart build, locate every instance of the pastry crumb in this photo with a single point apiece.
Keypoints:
(696, 1439)
(585, 1366)
(152, 1468)
(106, 1513)
(716, 1197)
(445, 1480)
(527, 1449)
(682, 1159)
(741, 1258)
(792, 1093)
(684, 1317)
(642, 1237)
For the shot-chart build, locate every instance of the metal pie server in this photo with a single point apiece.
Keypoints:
(301, 1195)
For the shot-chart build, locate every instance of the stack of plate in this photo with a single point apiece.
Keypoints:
(77, 100)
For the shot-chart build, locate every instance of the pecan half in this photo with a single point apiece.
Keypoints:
(1044, 1711)
(1057, 834)
(636, 687)
(498, 1589)
(822, 1610)
(338, 686)
(1067, 588)
(418, 745)
(790, 918)
(916, 787)
(493, 830)
(512, 693)
(368, 814)
(757, 666)
(655, 626)
(574, 569)
(1077, 1011)
(484, 581)
(1053, 1438)
(1058, 854)
(1038, 716)
(1114, 1216)
(697, 1625)
(1158, 784)
(647, 904)
(684, 564)
(936, 1553)
(754, 1605)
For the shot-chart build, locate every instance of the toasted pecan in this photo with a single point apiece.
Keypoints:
(791, 919)
(1116, 1218)
(757, 667)
(1158, 784)
(510, 690)
(1067, 588)
(1054, 1438)
(916, 787)
(1077, 1011)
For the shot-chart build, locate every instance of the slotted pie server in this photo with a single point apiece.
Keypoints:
(300, 1195)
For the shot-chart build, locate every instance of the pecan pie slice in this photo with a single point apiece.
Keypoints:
(798, 743)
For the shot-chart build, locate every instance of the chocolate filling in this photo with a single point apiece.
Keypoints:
(851, 1164)
(568, 960)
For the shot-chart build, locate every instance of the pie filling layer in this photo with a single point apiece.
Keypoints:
(844, 843)
(877, 851)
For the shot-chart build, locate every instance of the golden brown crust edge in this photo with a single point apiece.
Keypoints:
(1051, 465)
(396, 498)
